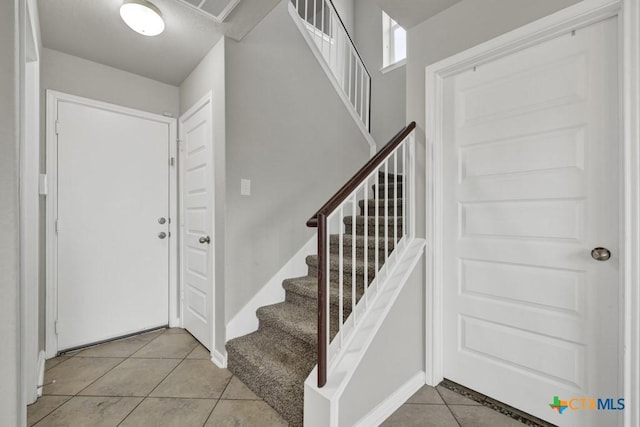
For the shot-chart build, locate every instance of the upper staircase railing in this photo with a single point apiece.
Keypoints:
(327, 31)
(370, 243)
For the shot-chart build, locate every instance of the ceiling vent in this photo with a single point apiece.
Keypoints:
(217, 10)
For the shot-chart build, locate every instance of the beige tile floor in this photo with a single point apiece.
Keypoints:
(165, 378)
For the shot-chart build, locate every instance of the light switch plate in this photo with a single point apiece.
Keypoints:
(245, 187)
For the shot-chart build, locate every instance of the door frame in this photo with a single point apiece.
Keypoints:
(32, 367)
(53, 98)
(207, 101)
(580, 15)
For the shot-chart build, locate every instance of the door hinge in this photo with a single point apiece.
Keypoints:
(57, 327)
(57, 127)
(43, 187)
(56, 226)
(172, 161)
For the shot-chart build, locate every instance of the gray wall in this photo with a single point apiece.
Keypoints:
(462, 26)
(346, 10)
(77, 76)
(209, 76)
(394, 357)
(290, 134)
(388, 91)
(9, 277)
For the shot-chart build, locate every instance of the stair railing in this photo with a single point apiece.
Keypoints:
(373, 242)
(336, 48)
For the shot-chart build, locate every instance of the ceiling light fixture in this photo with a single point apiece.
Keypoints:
(142, 17)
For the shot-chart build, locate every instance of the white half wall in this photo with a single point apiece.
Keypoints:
(383, 365)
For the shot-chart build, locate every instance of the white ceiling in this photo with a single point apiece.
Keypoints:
(409, 13)
(93, 30)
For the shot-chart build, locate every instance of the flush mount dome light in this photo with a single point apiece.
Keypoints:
(142, 17)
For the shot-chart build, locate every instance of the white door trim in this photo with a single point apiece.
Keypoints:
(53, 97)
(205, 101)
(580, 15)
(29, 201)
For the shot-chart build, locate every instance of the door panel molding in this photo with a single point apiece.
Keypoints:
(577, 16)
(53, 98)
(205, 302)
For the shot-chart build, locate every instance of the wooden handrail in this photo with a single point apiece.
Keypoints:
(361, 175)
(346, 31)
(319, 220)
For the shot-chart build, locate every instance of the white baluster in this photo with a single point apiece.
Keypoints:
(365, 240)
(340, 273)
(395, 199)
(353, 259)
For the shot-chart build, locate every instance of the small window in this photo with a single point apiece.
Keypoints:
(394, 41)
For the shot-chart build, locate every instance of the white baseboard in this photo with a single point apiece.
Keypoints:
(272, 292)
(393, 402)
(219, 359)
(41, 364)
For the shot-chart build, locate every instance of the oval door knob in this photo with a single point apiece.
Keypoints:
(600, 254)
(204, 240)
(162, 235)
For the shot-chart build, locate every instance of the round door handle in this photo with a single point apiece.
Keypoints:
(162, 235)
(204, 240)
(600, 254)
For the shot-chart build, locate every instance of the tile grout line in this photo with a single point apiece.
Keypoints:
(217, 401)
(54, 409)
(448, 408)
(161, 381)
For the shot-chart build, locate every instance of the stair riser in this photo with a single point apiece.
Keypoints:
(371, 231)
(347, 279)
(390, 178)
(280, 398)
(387, 192)
(311, 302)
(371, 211)
(347, 250)
(308, 348)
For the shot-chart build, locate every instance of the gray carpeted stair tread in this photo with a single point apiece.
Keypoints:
(307, 286)
(273, 371)
(347, 264)
(295, 320)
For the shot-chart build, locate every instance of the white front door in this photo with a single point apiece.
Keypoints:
(113, 190)
(197, 221)
(531, 166)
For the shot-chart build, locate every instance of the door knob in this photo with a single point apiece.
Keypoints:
(600, 254)
(162, 220)
(204, 240)
(162, 235)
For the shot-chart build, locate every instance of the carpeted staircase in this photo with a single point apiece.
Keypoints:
(275, 360)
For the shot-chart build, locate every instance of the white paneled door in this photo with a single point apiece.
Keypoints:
(112, 223)
(197, 221)
(531, 159)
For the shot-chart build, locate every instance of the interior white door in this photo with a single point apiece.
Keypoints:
(113, 187)
(197, 222)
(531, 187)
